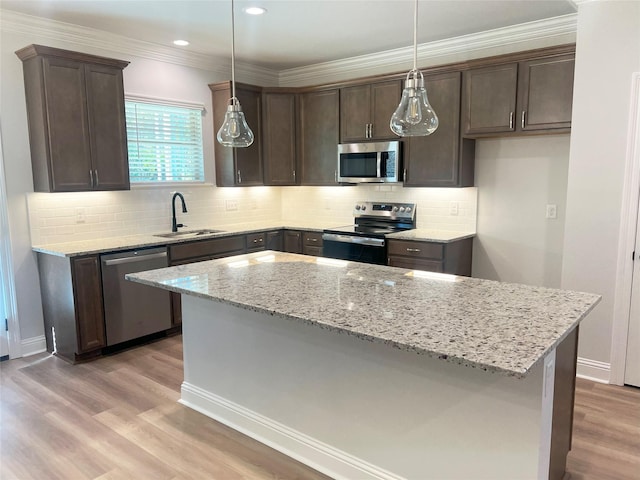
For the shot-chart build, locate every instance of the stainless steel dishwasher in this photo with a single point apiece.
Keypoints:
(132, 310)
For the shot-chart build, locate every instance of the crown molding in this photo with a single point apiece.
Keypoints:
(428, 53)
(382, 62)
(94, 39)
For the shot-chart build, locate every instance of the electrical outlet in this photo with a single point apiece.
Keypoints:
(453, 208)
(552, 211)
(80, 214)
(231, 205)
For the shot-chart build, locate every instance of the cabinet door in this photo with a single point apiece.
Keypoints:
(87, 289)
(546, 93)
(248, 161)
(237, 166)
(385, 97)
(274, 241)
(279, 139)
(440, 160)
(355, 114)
(489, 99)
(318, 143)
(107, 129)
(66, 100)
(292, 241)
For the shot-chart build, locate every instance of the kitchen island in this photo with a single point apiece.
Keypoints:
(365, 371)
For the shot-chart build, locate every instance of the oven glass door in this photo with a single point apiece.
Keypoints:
(355, 252)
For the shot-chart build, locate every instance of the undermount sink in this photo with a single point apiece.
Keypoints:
(187, 233)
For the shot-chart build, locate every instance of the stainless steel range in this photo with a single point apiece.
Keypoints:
(365, 240)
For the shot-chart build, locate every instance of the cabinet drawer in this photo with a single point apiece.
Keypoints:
(416, 264)
(416, 249)
(314, 251)
(216, 247)
(256, 241)
(312, 239)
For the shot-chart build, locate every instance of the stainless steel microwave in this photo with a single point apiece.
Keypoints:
(369, 162)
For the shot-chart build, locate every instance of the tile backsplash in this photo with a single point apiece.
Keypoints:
(335, 204)
(63, 217)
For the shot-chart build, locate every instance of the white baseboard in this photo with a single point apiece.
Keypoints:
(33, 345)
(593, 370)
(309, 451)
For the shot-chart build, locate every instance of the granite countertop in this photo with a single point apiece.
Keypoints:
(128, 242)
(498, 327)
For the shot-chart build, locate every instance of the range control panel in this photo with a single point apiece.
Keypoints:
(389, 210)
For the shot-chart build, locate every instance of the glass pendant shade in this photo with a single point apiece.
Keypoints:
(414, 116)
(235, 132)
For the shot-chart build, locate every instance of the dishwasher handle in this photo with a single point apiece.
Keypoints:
(134, 259)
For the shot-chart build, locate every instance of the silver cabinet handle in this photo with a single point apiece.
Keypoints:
(413, 250)
(312, 239)
(239, 177)
(97, 181)
(335, 175)
(294, 175)
(522, 120)
(404, 177)
(511, 120)
(91, 178)
(256, 240)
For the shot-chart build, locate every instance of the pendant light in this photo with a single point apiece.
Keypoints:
(234, 132)
(414, 116)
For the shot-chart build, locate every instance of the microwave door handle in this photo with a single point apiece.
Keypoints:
(379, 164)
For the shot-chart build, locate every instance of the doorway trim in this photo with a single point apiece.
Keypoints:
(11, 304)
(629, 221)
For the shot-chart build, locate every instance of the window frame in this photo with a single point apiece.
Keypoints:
(160, 102)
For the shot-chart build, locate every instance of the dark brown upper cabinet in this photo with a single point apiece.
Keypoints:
(528, 96)
(442, 159)
(75, 111)
(318, 140)
(240, 167)
(365, 111)
(279, 138)
(546, 95)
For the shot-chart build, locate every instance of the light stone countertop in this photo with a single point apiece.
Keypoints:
(498, 327)
(130, 242)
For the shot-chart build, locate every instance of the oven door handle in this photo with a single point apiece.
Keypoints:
(373, 242)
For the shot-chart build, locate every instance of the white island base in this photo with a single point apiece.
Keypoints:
(355, 409)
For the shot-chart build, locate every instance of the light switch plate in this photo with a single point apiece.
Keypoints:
(552, 211)
(453, 208)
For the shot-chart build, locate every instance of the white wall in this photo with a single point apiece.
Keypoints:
(608, 52)
(516, 179)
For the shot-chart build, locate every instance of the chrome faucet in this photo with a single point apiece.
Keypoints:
(174, 224)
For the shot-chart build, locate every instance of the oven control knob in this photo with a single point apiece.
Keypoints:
(401, 209)
(395, 209)
(364, 207)
(408, 210)
(357, 207)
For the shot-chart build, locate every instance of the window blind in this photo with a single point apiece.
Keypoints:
(164, 143)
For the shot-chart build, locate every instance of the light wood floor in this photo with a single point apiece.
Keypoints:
(118, 418)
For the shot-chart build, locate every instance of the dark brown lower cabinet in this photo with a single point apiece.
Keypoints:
(275, 240)
(312, 243)
(453, 257)
(293, 241)
(72, 305)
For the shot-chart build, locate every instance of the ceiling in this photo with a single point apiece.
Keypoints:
(293, 33)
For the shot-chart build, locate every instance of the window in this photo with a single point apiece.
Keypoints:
(164, 142)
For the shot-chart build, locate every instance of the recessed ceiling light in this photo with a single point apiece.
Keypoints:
(255, 10)
(181, 43)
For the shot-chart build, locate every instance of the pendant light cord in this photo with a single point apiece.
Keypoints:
(415, 36)
(233, 57)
